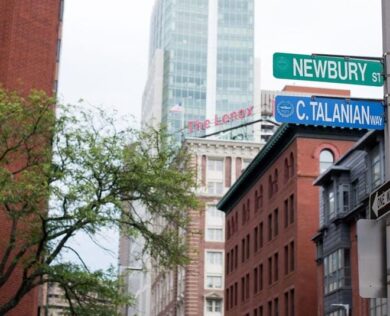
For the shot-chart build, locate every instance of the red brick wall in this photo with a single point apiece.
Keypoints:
(29, 32)
(28, 43)
(303, 280)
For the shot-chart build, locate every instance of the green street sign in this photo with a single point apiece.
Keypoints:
(328, 69)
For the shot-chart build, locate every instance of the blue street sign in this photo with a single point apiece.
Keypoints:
(329, 112)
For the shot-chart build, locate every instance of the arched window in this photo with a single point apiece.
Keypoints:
(243, 213)
(286, 170)
(276, 181)
(256, 201)
(326, 159)
(261, 196)
(270, 186)
(292, 167)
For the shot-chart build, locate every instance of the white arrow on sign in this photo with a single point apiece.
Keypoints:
(380, 201)
(375, 205)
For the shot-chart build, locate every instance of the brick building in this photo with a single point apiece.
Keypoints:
(29, 54)
(345, 188)
(271, 217)
(198, 288)
(30, 41)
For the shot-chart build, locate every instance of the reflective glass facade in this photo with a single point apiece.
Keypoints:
(208, 59)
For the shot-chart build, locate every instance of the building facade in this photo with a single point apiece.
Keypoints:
(271, 215)
(30, 43)
(345, 189)
(30, 40)
(135, 271)
(197, 288)
(204, 49)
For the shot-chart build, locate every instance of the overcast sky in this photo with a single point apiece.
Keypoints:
(105, 50)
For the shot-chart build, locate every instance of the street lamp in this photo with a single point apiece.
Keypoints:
(345, 306)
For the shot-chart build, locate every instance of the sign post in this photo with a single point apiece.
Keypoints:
(386, 51)
(328, 69)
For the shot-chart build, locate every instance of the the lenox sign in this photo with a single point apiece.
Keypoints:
(198, 125)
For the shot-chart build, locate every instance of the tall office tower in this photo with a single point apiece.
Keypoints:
(29, 54)
(201, 66)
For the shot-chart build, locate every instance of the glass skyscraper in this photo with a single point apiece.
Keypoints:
(201, 66)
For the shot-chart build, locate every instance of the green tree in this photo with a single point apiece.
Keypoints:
(78, 172)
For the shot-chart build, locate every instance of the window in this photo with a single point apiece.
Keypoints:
(269, 270)
(245, 163)
(214, 223)
(214, 306)
(242, 289)
(256, 238)
(261, 197)
(270, 308)
(275, 184)
(261, 235)
(214, 215)
(286, 266)
(355, 192)
(247, 286)
(214, 257)
(227, 300)
(292, 302)
(227, 263)
(235, 293)
(336, 270)
(286, 305)
(215, 176)
(276, 222)
(243, 214)
(378, 306)
(286, 213)
(276, 307)
(248, 246)
(236, 256)
(375, 167)
(292, 167)
(261, 277)
(292, 209)
(248, 209)
(255, 280)
(214, 234)
(326, 159)
(215, 187)
(243, 250)
(343, 198)
(215, 165)
(292, 256)
(214, 281)
(270, 186)
(286, 170)
(331, 204)
(276, 267)
(261, 311)
(269, 226)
